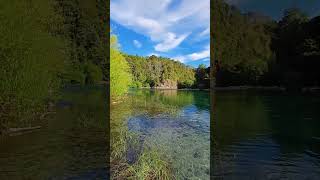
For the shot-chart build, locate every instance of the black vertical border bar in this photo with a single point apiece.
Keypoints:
(106, 26)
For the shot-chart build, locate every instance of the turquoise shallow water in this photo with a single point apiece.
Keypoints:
(174, 122)
(262, 135)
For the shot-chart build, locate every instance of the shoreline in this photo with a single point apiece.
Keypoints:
(235, 88)
(264, 88)
(182, 89)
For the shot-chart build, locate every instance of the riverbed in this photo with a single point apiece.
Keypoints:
(174, 123)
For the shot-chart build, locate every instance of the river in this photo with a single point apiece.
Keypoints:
(70, 145)
(266, 135)
(174, 123)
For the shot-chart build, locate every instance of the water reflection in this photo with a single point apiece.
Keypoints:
(266, 136)
(70, 145)
(174, 123)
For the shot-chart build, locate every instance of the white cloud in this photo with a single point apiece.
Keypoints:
(201, 55)
(179, 58)
(205, 32)
(171, 42)
(166, 25)
(137, 44)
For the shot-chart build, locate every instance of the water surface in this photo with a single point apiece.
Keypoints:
(70, 145)
(174, 122)
(261, 135)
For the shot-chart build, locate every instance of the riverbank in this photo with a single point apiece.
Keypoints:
(168, 88)
(263, 88)
(234, 88)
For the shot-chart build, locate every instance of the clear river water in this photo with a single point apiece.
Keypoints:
(260, 135)
(175, 123)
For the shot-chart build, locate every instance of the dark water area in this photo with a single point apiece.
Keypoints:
(70, 145)
(175, 123)
(259, 135)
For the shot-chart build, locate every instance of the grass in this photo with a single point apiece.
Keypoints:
(149, 164)
(188, 150)
(166, 153)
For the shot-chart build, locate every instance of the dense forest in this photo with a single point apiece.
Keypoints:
(153, 72)
(160, 72)
(252, 49)
(85, 27)
(133, 71)
(45, 44)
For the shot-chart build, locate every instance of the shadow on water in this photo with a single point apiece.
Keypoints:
(71, 144)
(260, 135)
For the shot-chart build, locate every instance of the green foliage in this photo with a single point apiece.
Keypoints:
(94, 74)
(202, 76)
(156, 71)
(252, 49)
(32, 57)
(84, 26)
(151, 166)
(296, 43)
(240, 42)
(120, 77)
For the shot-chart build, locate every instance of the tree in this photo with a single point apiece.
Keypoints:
(120, 77)
(85, 28)
(241, 44)
(156, 71)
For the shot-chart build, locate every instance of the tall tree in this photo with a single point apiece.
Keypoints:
(120, 77)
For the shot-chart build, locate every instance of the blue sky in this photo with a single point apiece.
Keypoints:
(178, 29)
(275, 8)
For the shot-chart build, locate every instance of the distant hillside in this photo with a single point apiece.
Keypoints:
(161, 72)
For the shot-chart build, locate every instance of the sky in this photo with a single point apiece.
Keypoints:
(177, 29)
(275, 8)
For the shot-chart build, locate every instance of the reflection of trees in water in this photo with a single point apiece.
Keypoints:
(202, 100)
(258, 126)
(70, 145)
(89, 105)
(295, 121)
(155, 102)
(238, 116)
(244, 115)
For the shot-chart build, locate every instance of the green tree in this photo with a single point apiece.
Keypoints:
(85, 27)
(156, 71)
(120, 77)
(241, 44)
